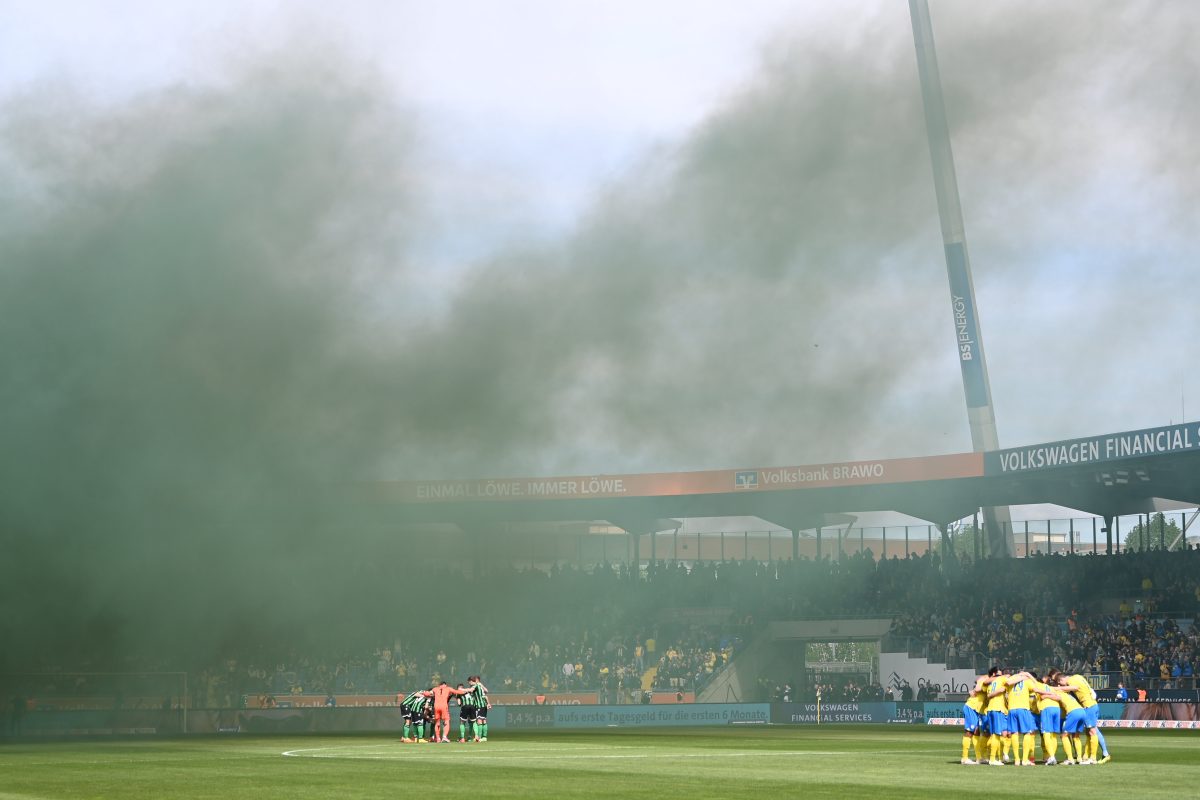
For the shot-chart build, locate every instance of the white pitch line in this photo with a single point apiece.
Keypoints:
(522, 756)
(457, 750)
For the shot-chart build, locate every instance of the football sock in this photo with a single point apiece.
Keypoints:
(1050, 746)
(966, 746)
(1066, 743)
(1103, 744)
(1029, 740)
(1016, 747)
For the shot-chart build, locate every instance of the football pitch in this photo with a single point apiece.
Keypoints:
(758, 762)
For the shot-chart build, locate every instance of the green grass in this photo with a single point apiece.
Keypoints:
(758, 762)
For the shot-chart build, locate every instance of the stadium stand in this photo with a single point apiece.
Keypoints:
(676, 625)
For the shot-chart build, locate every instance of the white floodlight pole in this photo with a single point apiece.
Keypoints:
(967, 333)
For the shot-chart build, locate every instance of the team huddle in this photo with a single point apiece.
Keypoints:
(431, 707)
(1007, 709)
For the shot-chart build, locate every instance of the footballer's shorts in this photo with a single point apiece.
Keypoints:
(1020, 720)
(481, 713)
(1076, 722)
(1051, 721)
(414, 716)
(466, 713)
(441, 713)
(997, 722)
(1092, 715)
(971, 721)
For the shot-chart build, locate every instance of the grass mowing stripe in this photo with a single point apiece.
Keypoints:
(725, 763)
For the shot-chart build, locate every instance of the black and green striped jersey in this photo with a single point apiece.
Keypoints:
(476, 697)
(414, 702)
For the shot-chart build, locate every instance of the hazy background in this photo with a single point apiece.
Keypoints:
(251, 250)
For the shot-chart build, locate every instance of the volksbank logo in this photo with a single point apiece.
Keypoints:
(746, 479)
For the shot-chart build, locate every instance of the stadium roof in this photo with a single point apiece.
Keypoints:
(1108, 475)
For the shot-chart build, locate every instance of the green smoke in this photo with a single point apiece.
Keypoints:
(211, 310)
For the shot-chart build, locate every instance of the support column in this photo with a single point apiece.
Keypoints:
(473, 533)
(476, 548)
(795, 545)
(975, 534)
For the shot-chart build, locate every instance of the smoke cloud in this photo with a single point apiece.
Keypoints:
(189, 336)
(211, 311)
(771, 289)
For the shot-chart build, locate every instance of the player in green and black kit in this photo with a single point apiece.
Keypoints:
(476, 697)
(466, 715)
(413, 708)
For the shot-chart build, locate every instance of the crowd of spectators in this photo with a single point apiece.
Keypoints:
(1128, 614)
(610, 628)
(564, 630)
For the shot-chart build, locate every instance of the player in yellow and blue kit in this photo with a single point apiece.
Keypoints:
(973, 729)
(997, 715)
(1020, 718)
(1049, 719)
(1086, 695)
(1035, 708)
(1074, 723)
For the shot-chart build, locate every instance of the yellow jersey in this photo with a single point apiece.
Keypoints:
(1035, 699)
(1066, 701)
(978, 697)
(997, 703)
(1017, 695)
(1082, 689)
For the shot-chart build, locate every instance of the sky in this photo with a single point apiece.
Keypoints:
(642, 237)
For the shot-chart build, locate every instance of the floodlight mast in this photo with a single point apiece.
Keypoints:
(967, 333)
